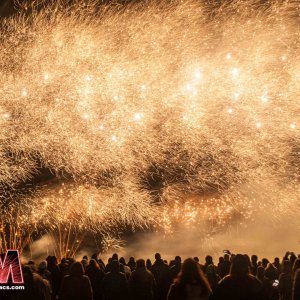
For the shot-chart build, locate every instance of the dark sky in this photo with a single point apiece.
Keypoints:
(6, 8)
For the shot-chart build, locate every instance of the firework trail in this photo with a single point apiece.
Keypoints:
(199, 100)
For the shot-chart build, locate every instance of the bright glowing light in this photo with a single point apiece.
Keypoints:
(192, 90)
(86, 116)
(138, 116)
(46, 76)
(235, 72)
(6, 115)
(24, 93)
(198, 75)
(264, 98)
(258, 125)
(236, 96)
(189, 87)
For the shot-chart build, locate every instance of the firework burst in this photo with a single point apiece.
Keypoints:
(200, 100)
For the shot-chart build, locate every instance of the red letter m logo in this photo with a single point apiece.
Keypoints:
(10, 264)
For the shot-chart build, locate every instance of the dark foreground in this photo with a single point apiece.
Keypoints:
(234, 277)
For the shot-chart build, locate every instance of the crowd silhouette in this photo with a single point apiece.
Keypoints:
(234, 277)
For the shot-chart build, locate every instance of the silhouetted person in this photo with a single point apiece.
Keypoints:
(76, 286)
(55, 275)
(141, 282)
(95, 274)
(266, 283)
(64, 267)
(43, 272)
(293, 257)
(95, 256)
(148, 264)
(114, 283)
(85, 263)
(277, 264)
(108, 266)
(131, 263)
(254, 264)
(124, 268)
(101, 264)
(171, 263)
(190, 283)
(212, 277)
(122, 261)
(239, 284)
(296, 286)
(46, 275)
(175, 269)
(296, 266)
(162, 276)
(271, 272)
(285, 281)
(264, 262)
(221, 260)
(35, 287)
(224, 266)
(248, 261)
(208, 261)
(115, 256)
